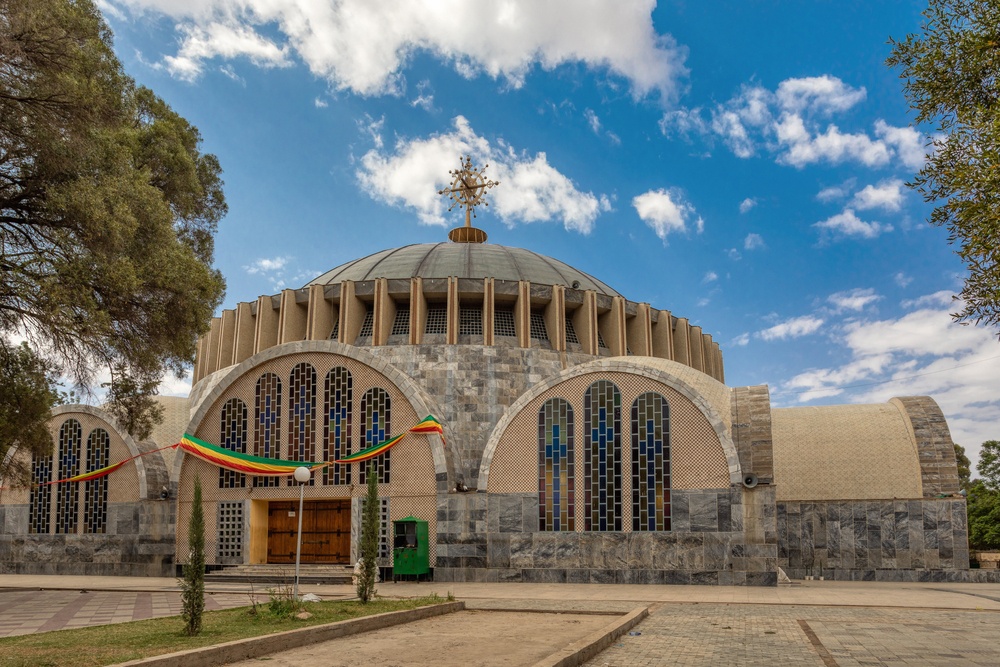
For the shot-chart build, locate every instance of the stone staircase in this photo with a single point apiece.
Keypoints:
(282, 574)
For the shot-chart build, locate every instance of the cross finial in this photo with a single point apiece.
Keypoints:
(468, 189)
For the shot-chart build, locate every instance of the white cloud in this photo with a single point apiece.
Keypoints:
(741, 341)
(921, 352)
(887, 195)
(531, 189)
(753, 242)
(365, 47)
(734, 254)
(855, 299)
(592, 120)
(320, 103)
(275, 270)
(835, 192)
(791, 123)
(902, 279)
(373, 129)
(231, 73)
(425, 96)
(847, 223)
(710, 277)
(266, 265)
(747, 204)
(666, 212)
(793, 328)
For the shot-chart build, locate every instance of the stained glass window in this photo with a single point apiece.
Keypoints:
(337, 406)
(602, 457)
(267, 439)
(41, 496)
(233, 428)
(375, 416)
(556, 506)
(95, 492)
(650, 463)
(68, 495)
(302, 416)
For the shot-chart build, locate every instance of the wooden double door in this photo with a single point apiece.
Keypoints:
(326, 531)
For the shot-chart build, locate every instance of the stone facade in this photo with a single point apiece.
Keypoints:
(495, 537)
(139, 542)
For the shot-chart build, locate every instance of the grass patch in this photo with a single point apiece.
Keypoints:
(121, 642)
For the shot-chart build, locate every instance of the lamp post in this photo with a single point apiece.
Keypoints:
(302, 475)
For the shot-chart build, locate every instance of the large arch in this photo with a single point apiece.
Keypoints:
(709, 396)
(417, 397)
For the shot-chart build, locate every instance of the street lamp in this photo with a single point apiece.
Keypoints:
(302, 475)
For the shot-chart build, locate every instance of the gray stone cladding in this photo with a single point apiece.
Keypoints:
(875, 540)
(139, 542)
(495, 537)
(473, 386)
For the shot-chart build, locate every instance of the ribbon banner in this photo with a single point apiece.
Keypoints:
(427, 425)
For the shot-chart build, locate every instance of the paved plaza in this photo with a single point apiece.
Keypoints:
(827, 624)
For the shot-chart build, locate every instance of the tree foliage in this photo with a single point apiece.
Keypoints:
(950, 73)
(370, 525)
(964, 467)
(193, 585)
(984, 499)
(26, 397)
(107, 208)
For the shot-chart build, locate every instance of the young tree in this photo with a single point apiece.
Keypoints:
(950, 73)
(26, 397)
(107, 209)
(193, 586)
(964, 467)
(370, 528)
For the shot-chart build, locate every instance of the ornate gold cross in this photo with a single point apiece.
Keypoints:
(468, 189)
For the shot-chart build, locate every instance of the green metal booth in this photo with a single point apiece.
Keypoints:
(410, 548)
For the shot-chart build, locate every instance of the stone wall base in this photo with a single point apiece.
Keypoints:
(900, 575)
(586, 576)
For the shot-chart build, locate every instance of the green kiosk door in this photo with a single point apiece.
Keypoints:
(410, 549)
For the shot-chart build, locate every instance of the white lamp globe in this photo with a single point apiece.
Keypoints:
(302, 474)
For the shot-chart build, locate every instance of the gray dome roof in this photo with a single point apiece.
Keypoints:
(463, 260)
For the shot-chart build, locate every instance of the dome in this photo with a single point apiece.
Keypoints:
(463, 260)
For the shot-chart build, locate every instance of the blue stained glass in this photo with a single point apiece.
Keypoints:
(602, 456)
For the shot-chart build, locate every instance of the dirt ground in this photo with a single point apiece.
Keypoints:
(472, 638)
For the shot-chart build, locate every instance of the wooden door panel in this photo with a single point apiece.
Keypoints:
(326, 531)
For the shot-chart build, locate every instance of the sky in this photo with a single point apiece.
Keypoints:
(741, 164)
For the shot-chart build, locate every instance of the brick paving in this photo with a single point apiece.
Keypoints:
(756, 635)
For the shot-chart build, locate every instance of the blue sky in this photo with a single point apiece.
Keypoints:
(741, 164)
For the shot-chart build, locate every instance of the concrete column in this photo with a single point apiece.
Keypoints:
(266, 334)
(555, 318)
(489, 303)
(245, 332)
(522, 314)
(214, 335)
(319, 323)
(352, 313)
(227, 340)
(452, 308)
(660, 331)
(292, 318)
(199, 360)
(697, 350)
(418, 311)
(709, 354)
(385, 312)
(720, 371)
(585, 322)
(639, 331)
(612, 327)
(682, 339)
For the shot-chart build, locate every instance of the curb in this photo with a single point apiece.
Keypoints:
(585, 649)
(245, 649)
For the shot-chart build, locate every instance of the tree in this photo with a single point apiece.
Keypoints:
(370, 527)
(989, 464)
(107, 210)
(26, 397)
(964, 467)
(950, 74)
(983, 502)
(193, 585)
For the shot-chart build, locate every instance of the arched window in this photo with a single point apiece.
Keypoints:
(267, 440)
(376, 409)
(337, 406)
(302, 416)
(650, 463)
(602, 457)
(68, 495)
(556, 506)
(95, 493)
(233, 427)
(40, 509)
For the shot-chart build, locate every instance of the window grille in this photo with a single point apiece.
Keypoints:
(384, 544)
(602, 457)
(41, 496)
(600, 341)
(338, 394)
(571, 336)
(538, 330)
(95, 508)
(470, 321)
(366, 325)
(302, 417)
(234, 438)
(556, 502)
(335, 334)
(503, 322)
(68, 495)
(230, 532)
(401, 325)
(650, 463)
(267, 422)
(376, 411)
(437, 320)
